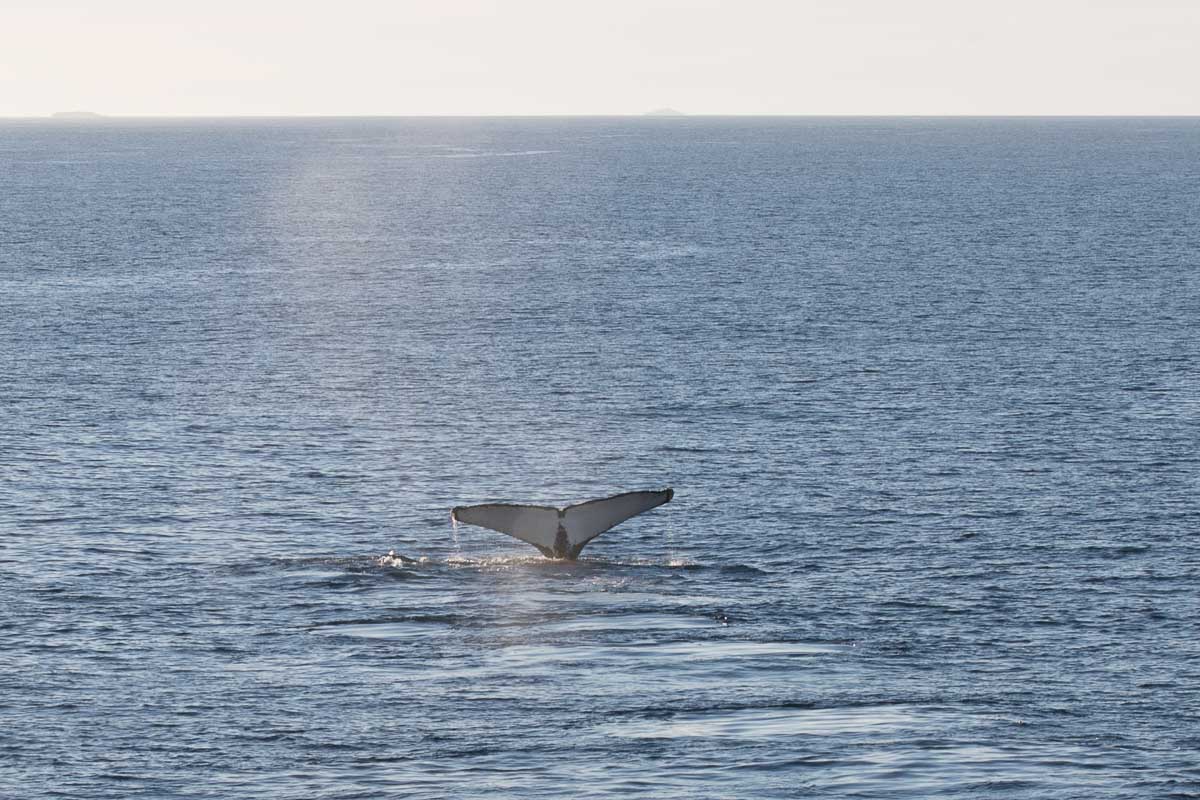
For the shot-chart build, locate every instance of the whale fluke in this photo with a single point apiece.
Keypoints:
(561, 532)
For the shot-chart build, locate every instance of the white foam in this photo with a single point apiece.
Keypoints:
(766, 723)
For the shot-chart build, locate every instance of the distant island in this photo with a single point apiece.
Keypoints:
(76, 115)
(664, 112)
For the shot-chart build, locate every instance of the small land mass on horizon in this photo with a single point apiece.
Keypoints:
(76, 115)
(664, 112)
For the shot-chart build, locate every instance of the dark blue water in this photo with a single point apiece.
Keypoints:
(928, 392)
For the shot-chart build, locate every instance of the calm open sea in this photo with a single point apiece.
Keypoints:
(928, 392)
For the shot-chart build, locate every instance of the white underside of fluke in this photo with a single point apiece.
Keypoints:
(561, 532)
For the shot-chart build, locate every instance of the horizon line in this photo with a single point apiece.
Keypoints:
(89, 116)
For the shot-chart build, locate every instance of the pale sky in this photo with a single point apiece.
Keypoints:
(416, 57)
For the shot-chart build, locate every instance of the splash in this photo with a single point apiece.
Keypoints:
(522, 560)
(500, 561)
(394, 559)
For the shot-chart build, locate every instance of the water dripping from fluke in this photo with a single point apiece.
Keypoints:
(672, 556)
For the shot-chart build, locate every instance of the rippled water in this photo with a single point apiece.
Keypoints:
(928, 392)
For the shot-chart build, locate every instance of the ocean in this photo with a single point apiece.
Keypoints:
(927, 392)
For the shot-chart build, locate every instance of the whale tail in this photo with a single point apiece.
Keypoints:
(561, 532)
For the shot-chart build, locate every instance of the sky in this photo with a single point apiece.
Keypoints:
(551, 57)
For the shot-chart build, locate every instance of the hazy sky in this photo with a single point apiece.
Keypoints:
(604, 57)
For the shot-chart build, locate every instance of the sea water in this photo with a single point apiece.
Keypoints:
(928, 393)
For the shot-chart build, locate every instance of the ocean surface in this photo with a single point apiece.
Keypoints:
(927, 390)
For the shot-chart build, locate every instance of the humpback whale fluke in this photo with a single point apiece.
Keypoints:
(561, 532)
